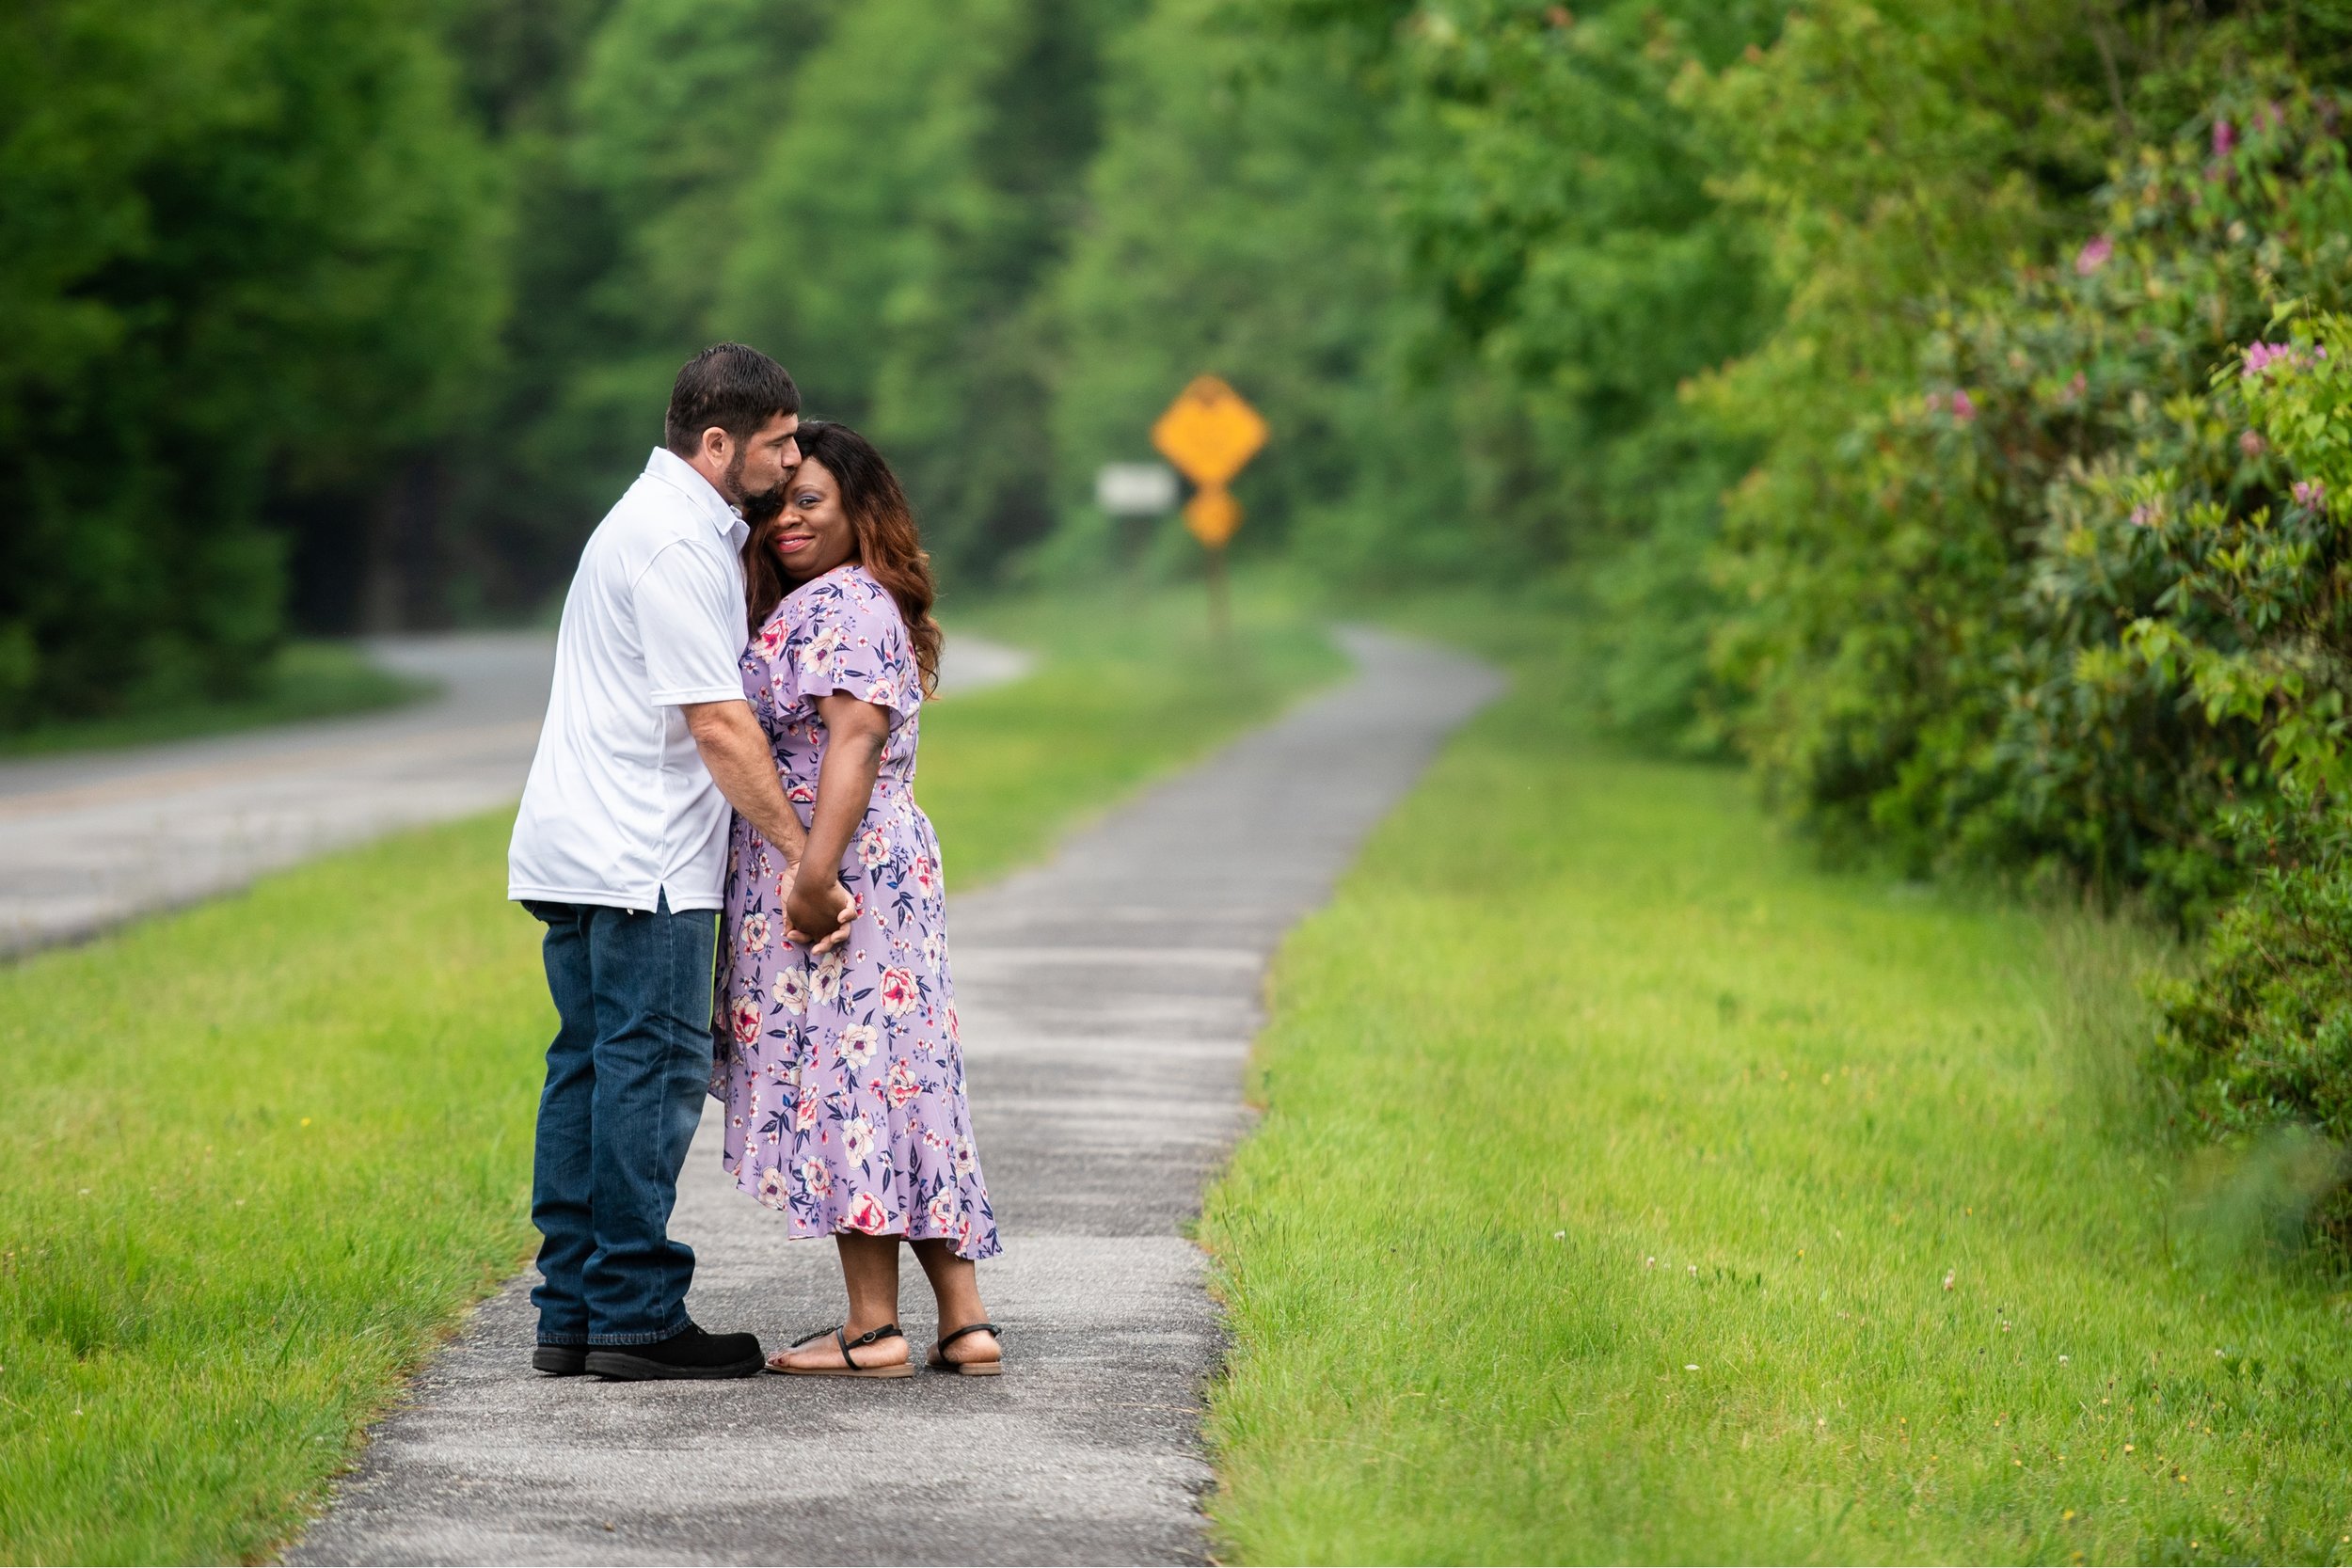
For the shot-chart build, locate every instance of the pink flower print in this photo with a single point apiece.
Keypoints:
(934, 951)
(802, 795)
(804, 1110)
(2224, 138)
(944, 1211)
(872, 849)
(964, 1160)
(857, 1044)
(772, 1187)
(903, 1088)
(866, 1214)
(897, 993)
(824, 981)
(816, 1178)
(2094, 254)
(818, 659)
(756, 932)
(744, 1014)
(770, 639)
(789, 990)
(2310, 495)
(926, 874)
(857, 1140)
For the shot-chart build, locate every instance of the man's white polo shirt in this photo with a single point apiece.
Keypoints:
(619, 809)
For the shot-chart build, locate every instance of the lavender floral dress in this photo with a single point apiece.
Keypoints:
(843, 1078)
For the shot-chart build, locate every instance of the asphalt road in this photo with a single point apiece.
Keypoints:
(92, 839)
(1108, 999)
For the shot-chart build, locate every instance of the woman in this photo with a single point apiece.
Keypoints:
(842, 1076)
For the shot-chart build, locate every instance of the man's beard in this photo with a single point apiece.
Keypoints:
(756, 508)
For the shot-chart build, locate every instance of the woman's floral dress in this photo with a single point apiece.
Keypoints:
(843, 1078)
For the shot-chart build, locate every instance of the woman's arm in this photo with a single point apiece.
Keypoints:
(856, 731)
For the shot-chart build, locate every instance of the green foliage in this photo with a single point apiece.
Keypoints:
(891, 243)
(249, 251)
(1219, 240)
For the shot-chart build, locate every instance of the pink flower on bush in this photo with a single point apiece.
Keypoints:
(2310, 495)
(2252, 444)
(1963, 406)
(2261, 356)
(2224, 138)
(2145, 515)
(2094, 255)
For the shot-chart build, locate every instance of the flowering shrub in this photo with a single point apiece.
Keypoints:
(2090, 598)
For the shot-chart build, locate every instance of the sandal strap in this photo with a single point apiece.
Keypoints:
(872, 1335)
(946, 1340)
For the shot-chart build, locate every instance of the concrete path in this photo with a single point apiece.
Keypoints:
(91, 839)
(1108, 999)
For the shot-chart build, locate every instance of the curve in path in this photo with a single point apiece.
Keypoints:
(92, 839)
(1108, 999)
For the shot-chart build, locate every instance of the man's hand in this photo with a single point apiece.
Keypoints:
(818, 905)
(735, 750)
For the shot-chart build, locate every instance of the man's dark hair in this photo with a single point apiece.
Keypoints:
(728, 385)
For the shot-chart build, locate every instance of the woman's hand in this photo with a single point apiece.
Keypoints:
(816, 903)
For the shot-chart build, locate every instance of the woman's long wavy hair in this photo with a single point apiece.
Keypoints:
(888, 545)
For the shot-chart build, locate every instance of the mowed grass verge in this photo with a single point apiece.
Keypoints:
(1631, 1189)
(257, 1157)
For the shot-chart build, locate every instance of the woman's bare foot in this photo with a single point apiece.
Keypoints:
(822, 1353)
(978, 1348)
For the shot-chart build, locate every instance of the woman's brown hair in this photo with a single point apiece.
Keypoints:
(888, 545)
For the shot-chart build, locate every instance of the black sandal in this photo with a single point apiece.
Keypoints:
(938, 1360)
(849, 1367)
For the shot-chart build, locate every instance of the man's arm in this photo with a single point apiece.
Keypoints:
(735, 749)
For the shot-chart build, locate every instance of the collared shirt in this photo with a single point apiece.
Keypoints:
(619, 809)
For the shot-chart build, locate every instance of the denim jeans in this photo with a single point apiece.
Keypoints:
(627, 1075)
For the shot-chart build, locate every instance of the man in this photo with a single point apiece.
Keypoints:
(619, 850)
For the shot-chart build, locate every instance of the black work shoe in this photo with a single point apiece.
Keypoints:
(562, 1360)
(689, 1352)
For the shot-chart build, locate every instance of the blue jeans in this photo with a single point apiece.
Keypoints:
(627, 1075)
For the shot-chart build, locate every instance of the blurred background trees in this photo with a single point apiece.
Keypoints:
(1910, 397)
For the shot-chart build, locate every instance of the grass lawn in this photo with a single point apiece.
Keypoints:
(1630, 1189)
(307, 680)
(256, 1156)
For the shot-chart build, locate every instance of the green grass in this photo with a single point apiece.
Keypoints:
(1614, 1165)
(305, 680)
(257, 1157)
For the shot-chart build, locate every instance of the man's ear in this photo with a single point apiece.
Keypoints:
(718, 447)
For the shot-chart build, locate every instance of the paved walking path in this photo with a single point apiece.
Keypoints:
(1108, 999)
(91, 839)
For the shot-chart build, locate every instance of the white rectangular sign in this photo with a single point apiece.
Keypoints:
(1136, 489)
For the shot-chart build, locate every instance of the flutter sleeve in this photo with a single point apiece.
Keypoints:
(853, 641)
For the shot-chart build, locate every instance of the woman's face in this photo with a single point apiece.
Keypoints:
(814, 533)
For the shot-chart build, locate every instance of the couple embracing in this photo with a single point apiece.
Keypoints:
(742, 899)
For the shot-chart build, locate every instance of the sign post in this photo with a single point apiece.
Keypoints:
(1210, 432)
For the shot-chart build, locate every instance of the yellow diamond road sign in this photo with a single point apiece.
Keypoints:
(1209, 431)
(1213, 515)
